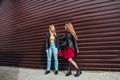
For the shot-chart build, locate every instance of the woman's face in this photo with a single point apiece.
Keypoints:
(52, 28)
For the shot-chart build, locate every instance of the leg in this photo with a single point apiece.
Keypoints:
(49, 55)
(55, 54)
(76, 66)
(69, 67)
(69, 70)
(73, 63)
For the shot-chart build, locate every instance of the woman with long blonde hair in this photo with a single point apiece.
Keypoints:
(52, 46)
(70, 48)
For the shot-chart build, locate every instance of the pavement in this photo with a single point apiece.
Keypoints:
(17, 73)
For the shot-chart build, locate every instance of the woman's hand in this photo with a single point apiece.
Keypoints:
(59, 51)
(78, 51)
(46, 51)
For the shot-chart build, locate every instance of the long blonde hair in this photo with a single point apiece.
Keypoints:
(71, 29)
(50, 29)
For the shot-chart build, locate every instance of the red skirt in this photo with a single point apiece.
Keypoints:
(67, 53)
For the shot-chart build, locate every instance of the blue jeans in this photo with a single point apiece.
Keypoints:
(53, 50)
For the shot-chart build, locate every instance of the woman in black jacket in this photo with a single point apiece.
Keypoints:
(52, 46)
(70, 48)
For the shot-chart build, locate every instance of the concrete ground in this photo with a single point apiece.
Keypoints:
(14, 73)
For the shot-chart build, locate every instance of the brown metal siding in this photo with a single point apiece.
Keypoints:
(24, 23)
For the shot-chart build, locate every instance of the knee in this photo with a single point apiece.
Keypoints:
(56, 59)
(69, 60)
(49, 60)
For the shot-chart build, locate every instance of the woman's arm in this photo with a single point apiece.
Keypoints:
(46, 41)
(75, 44)
(57, 40)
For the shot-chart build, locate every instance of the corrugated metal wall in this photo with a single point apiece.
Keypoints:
(24, 23)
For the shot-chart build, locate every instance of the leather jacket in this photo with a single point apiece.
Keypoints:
(48, 41)
(70, 41)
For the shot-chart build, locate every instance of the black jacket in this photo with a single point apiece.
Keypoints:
(48, 41)
(70, 41)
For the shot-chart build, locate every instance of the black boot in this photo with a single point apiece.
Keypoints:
(56, 72)
(47, 72)
(78, 72)
(69, 70)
